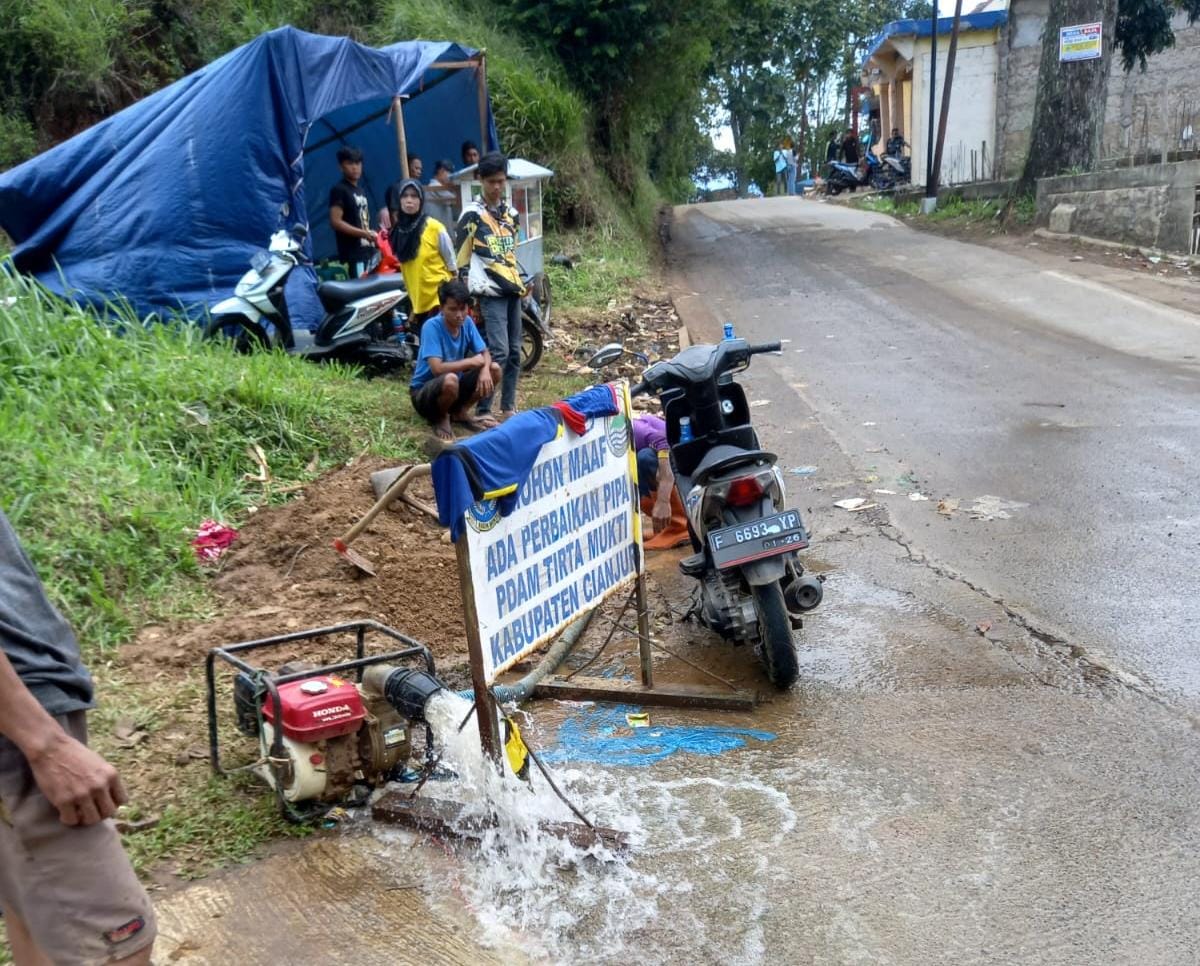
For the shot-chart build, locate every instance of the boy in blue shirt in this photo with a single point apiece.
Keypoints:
(454, 369)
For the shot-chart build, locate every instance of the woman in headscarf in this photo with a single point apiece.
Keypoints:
(424, 250)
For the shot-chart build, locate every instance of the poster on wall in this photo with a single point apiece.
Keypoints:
(1080, 42)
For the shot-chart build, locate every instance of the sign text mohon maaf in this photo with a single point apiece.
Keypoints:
(572, 540)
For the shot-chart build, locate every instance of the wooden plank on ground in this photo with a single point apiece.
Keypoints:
(661, 695)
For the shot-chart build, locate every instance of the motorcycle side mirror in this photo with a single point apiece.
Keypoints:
(606, 355)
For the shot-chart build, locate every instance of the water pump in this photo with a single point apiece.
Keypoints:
(326, 731)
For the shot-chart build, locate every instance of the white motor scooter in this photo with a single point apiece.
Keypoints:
(359, 325)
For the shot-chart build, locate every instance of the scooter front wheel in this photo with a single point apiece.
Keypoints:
(245, 335)
(776, 647)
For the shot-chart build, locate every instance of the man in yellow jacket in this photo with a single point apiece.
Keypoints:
(487, 248)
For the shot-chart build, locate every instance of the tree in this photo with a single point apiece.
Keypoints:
(1068, 116)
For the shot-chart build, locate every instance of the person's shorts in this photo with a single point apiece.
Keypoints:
(425, 399)
(647, 464)
(73, 887)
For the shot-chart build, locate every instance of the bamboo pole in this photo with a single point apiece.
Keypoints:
(481, 89)
(401, 139)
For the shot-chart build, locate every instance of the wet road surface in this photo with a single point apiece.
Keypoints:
(984, 374)
(953, 780)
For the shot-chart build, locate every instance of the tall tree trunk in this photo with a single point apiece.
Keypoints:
(1068, 116)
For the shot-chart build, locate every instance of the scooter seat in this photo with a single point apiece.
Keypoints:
(334, 295)
(719, 459)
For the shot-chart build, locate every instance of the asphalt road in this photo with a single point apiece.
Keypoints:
(981, 373)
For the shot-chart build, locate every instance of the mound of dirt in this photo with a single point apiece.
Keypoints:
(282, 575)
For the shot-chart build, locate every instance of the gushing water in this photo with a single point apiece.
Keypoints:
(533, 891)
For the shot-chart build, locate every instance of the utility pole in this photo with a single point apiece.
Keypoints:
(951, 54)
(930, 202)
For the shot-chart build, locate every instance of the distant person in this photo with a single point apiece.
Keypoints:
(850, 147)
(424, 250)
(790, 157)
(656, 484)
(454, 369)
(415, 167)
(441, 174)
(470, 153)
(780, 169)
(487, 247)
(67, 890)
(350, 213)
(833, 149)
(895, 144)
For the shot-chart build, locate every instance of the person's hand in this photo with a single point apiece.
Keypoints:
(662, 511)
(486, 386)
(84, 787)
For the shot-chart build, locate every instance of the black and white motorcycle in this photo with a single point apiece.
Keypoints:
(361, 324)
(745, 538)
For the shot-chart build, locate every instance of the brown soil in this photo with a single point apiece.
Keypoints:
(282, 575)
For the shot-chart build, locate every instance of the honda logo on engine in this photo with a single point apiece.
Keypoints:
(326, 712)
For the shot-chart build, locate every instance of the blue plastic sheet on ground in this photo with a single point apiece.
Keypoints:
(602, 736)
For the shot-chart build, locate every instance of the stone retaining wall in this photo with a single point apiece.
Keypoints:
(1153, 205)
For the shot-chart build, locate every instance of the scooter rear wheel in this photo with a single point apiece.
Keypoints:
(532, 344)
(776, 647)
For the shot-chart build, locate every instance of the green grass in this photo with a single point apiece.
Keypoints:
(957, 210)
(607, 261)
(115, 445)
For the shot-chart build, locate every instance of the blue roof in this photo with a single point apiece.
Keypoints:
(924, 28)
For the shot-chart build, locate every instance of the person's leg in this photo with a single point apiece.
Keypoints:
(495, 331)
(24, 949)
(791, 179)
(433, 402)
(511, 366)
(68, 893)
(474, 396)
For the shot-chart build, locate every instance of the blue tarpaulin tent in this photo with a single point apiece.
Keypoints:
(164, 203)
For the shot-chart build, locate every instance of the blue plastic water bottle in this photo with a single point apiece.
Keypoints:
(728, 330)
(685, 429)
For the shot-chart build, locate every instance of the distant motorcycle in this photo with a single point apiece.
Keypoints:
(843, 177)
(899, 167)
(361, 325)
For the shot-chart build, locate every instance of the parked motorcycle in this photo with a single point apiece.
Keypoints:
(842, 177)
(900, 168)
(361, 325)
(745, 539)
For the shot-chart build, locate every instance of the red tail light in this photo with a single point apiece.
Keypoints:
(744, 491)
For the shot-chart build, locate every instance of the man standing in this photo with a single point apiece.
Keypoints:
(67, 890)
(833, 148)
(487, 248)
(350, 213)
(850, 150)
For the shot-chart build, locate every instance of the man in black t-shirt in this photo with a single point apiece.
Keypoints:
(350, 213)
